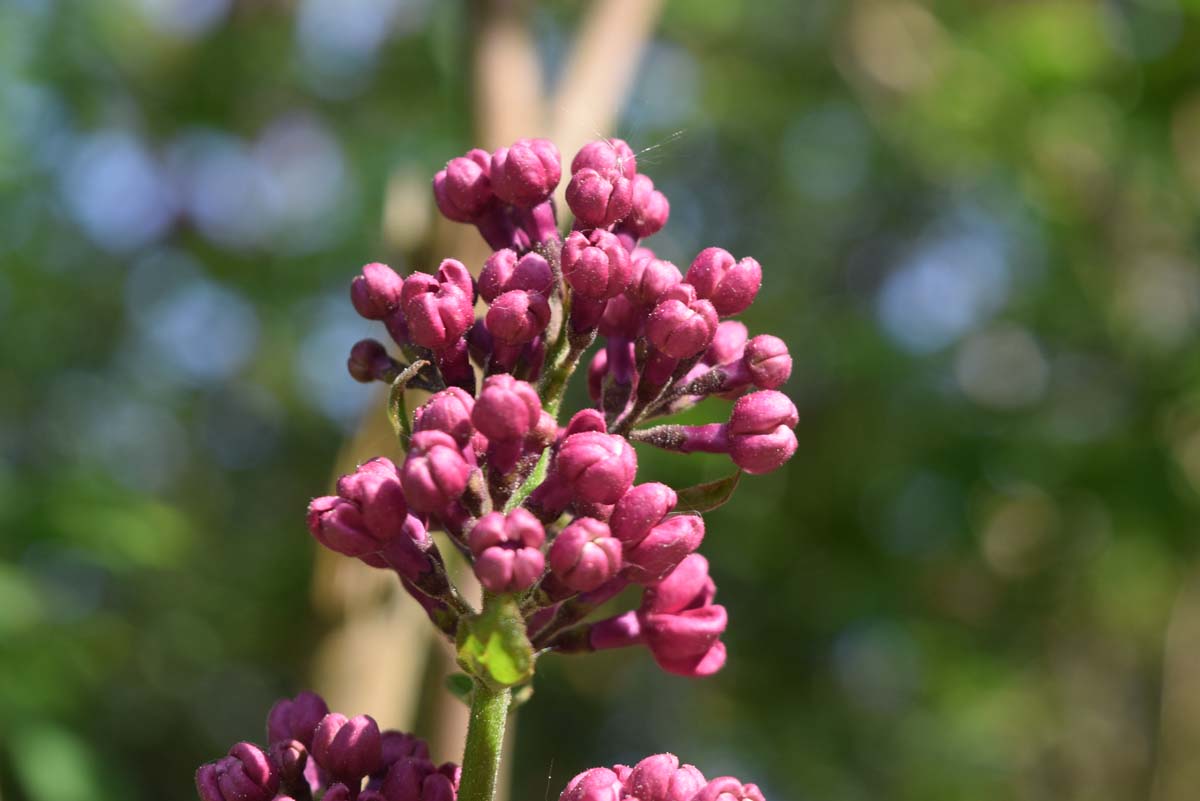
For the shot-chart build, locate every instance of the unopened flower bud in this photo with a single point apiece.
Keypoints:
(448, 411)
(246, 774)
(462, 190)
(679, 622)
(662, 778)
(437, 313)
(419, 780)
(526, 173)
(585, 555)
(731, 285)
(376, 292)
(680, 326)
(651, 277)
(369, 361)
(397, 745)
(664, 547)
(290, 757)
(597, 784)
(435, 473)
(768, 361)
(640, 510)
(369, 510)
(517, 316)
(584, 420)
(607, 157)
(507, 550)
(760, 431)
(348, 748)
(727, 788)
(649, 211)
(599, 200)
(504, 272)
(622, 318)
(728, 343)
(295, 718)
(598, 468)
(596, 265)
(507, 408)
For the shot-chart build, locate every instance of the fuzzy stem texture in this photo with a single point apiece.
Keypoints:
(485, 740)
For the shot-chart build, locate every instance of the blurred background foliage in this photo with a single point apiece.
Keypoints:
(977, 224)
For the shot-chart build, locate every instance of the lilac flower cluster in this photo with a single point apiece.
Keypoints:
(315, 753)
(549, 516)
(656, 778)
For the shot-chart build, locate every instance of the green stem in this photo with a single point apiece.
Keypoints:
(485, 740)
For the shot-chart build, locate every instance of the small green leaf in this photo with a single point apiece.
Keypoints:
(493, 646)
(460, 686)
(706, 497)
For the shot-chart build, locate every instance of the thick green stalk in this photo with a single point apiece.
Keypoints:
(485, 740)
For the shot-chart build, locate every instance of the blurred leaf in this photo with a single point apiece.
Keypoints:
(708, 496)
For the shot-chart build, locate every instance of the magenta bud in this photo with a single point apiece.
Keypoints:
(641, 509)
(651, 277)
(596, 265)
(687, 587)
(348, 748)
(398, 745)
(729, 343)
(679, 622)
(376, 292)
(598, 468)
(599, 200)
(369, 361)
(290, 757)
(649, 210)
(416, 779)
(679, 326)
(507, 408)
(437, 313)
(727, 788)
(607, 157)
(584, 420)
(507, 550)
(760, 431)
(597, 370)
(295, 718)
(662, 778)
(246, 774)
(504, 272)
(664, 547)
(526, 173)
(369, 510)
(448, 411)
(596, 784)
(730, 285)
(435, 473)
(462, 190)
(585, 555)
(517, 316)
(768, 361)
(622, 318)
(455, 273)
(338, 792)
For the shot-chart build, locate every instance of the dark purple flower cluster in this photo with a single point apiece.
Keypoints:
(314, 753)
(656, 778)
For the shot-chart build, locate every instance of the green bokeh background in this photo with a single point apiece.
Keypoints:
(977, 220)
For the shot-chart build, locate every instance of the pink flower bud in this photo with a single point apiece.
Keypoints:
(768, 361)
(596, 265)
(649, 211)
(727, 788)
(516, 317)
(597, 784)
(397, 745)
(679, 622)
(435, 473)
(651, 277)
(376, 292)
(507, 409)
(597, 370)
(640, 510)
(507, 550)
(463, 190)
(688, 587)
(448, 411)
(664, 547)
(622, 318)
(368, 511)
(526, 173)
(290, 758)
(680, 326)
(730, 285)
(416, 779)
(246, 774)
(598, 468)
(607, 157)
(585, 555)
(369, 361)
(662, 778)
(455, 273)
(338, 792)
(728, 343)
(760, 431)
(584, 420)
(599, 200)
(295, 718)
(348, 748)
(504, 272)
(437, 313)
